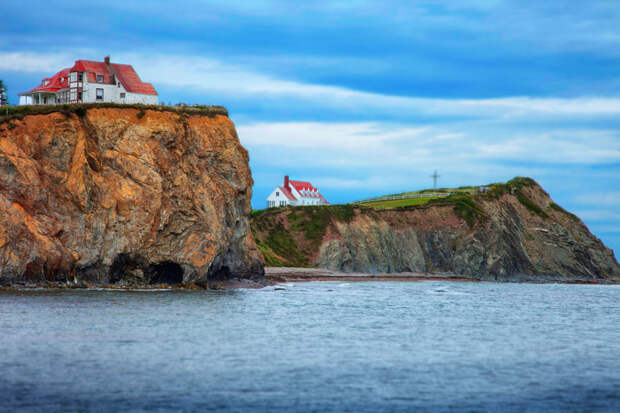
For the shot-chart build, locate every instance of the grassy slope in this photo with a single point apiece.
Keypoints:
(289, 236)
(397, 203)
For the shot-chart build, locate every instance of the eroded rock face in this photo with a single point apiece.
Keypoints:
(508, 241)
(512, 243)
(112, 197)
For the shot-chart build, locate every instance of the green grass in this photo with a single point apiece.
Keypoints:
(515, 187)
(530, 205)
(314, 220)
(280, 241)
(18, 112)
(465, 207)
(309, 222)
(398, 203)
(558, 208)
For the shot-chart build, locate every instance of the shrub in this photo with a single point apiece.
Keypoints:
(80, 111)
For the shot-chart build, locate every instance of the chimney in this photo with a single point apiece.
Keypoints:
(286, 181)
(106, 60)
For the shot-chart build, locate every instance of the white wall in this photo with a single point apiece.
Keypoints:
(277, 199)
(140, 98)
(112, 93)
(304, 200)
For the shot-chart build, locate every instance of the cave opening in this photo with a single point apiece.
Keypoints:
(166, 272)
(120, 265)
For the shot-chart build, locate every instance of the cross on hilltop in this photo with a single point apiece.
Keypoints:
(435, 175)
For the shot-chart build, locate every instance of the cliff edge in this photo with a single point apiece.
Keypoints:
(514, 232)
(127, 196)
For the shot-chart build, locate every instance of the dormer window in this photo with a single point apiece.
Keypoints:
(99, 78)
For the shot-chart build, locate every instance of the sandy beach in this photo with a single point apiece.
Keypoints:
(298, 274)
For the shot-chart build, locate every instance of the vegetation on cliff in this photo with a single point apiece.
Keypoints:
(466, 199)
(507, 230)
(9, 113)
(286, 235)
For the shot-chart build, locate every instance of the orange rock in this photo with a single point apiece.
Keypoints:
(116, 199)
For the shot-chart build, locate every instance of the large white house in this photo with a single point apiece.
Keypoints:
(295, 193)
(91, 82)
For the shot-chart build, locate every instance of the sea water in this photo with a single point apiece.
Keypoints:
(321, 346)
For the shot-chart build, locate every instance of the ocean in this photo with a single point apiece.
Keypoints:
(318, 346)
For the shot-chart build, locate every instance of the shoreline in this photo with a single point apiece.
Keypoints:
(277, 275)
(300, 274)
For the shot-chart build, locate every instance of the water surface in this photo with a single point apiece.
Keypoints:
(323, 346)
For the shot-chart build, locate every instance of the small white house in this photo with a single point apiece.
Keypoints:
(92, 82)
(295, 193)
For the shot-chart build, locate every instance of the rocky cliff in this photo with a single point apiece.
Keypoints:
(130, 196)
(513, 232)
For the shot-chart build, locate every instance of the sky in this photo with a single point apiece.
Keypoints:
(366, 98)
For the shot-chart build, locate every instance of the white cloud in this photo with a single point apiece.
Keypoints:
(611, 199)
(597, 215)
(455, 146)
(213, 76)
(43, 63)
(327, 136)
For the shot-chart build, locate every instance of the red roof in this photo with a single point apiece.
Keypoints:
(305, 186)
(124, 73)
(131, 81)
(52, 84)
(287, 191)
(301, 185)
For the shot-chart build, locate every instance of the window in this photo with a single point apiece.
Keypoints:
(122, 95)
(80, 96)
(99, 94)
(73, 76)
(277, 193)
(118, 84)
(99, 78)
(73, 95)
(80, 76)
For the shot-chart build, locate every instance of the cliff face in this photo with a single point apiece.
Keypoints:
(514, 233)
(122, 195)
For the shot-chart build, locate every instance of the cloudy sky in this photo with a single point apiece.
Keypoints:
(367, 98)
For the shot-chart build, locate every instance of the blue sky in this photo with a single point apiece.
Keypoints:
(367, 98)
